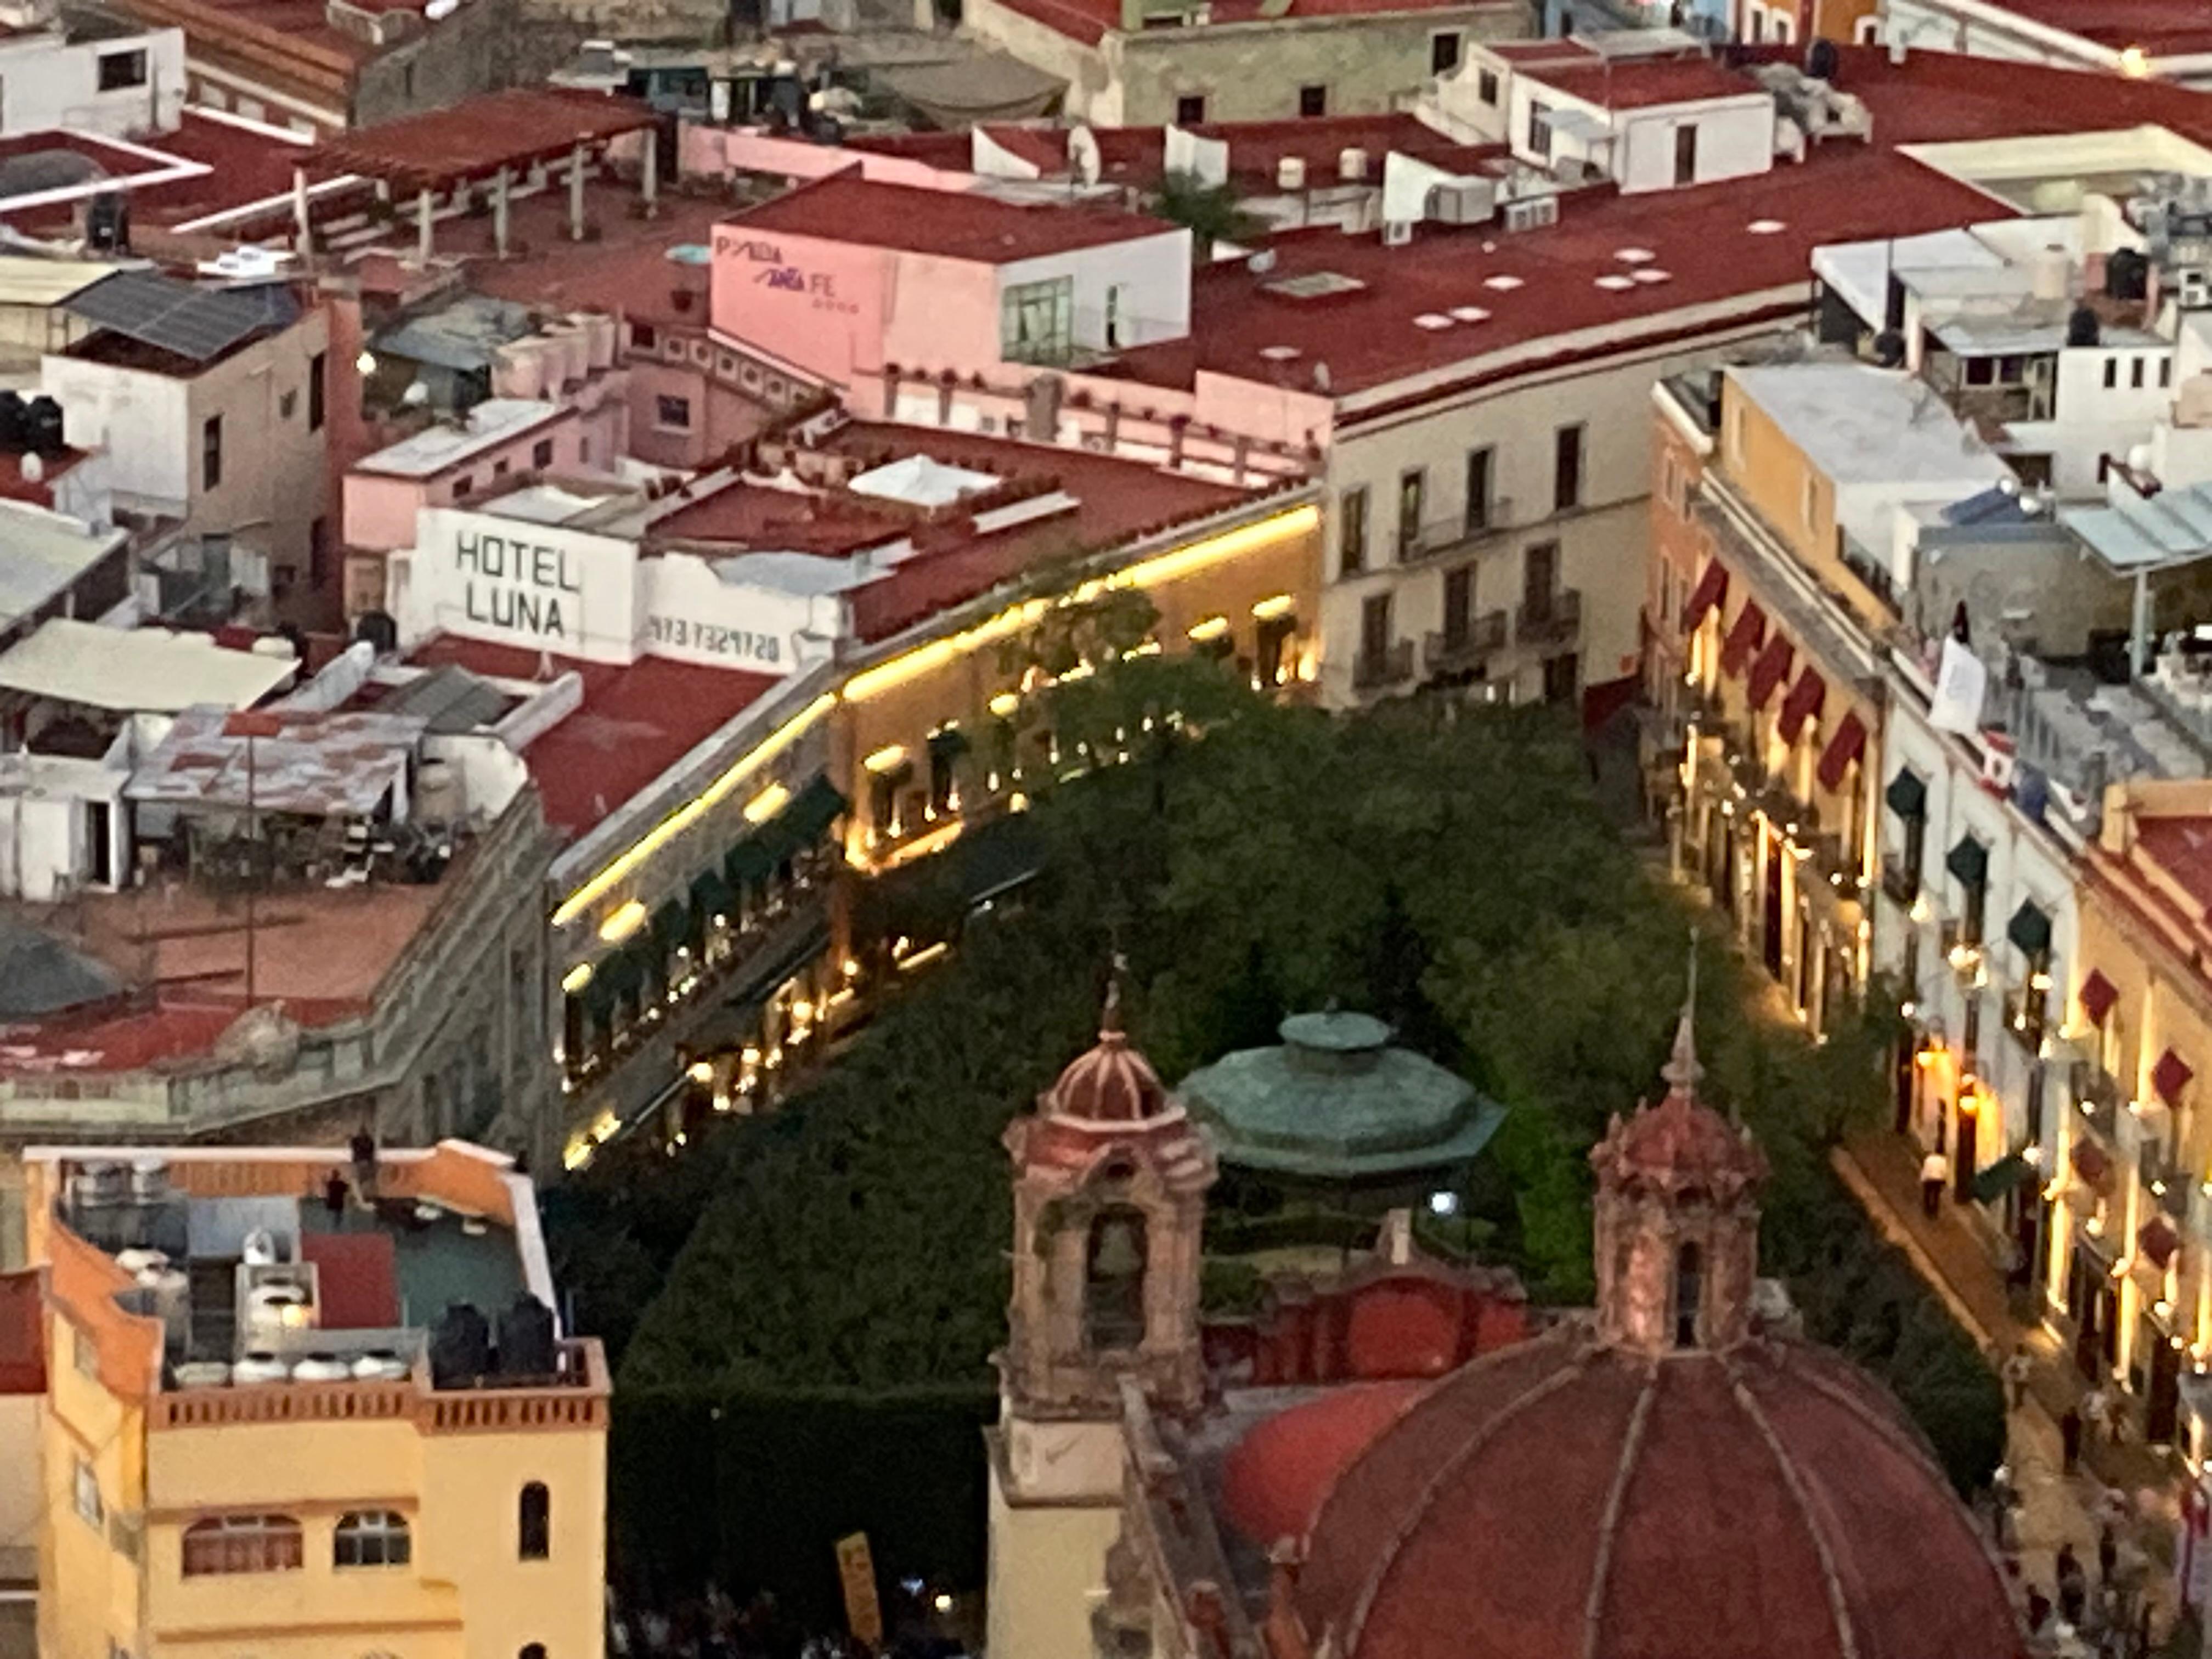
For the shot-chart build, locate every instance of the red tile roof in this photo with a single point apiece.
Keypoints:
(634, 724)
(356, 1279)
(1645, 83)
(2163, 28)
(1116, 501)
(948, 224)
(1275, 1479)
(2181, 848)
(627, 271)
(474, 139)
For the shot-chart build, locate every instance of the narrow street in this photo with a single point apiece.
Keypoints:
(2055, 1508)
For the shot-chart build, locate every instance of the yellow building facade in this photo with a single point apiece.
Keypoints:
(2138, 1159)
(336, 1488)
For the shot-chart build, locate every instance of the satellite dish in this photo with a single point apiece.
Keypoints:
(1083, 155)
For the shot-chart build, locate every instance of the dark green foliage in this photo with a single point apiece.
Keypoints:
(1451, 871)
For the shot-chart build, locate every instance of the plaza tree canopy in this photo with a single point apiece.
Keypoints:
(1447, 871)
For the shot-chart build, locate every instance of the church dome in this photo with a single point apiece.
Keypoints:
(1566, 1495)
(1110, 1083)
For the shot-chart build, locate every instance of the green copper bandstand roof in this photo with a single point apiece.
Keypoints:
(1335, 1101)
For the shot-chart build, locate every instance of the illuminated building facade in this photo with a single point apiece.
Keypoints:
(258, 1438)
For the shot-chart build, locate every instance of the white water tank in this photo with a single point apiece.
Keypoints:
(518, 371)
(1290, 173)
(380, 1367)
(202, 1374)
(273, 1307)
(2050, 274)
(259, 1366)
(601, 333)
(149, 1179)
(322, 1368)
(136, 1262)
(1351, 165)
(259, 1249)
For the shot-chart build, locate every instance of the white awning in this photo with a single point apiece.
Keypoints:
(138, 670)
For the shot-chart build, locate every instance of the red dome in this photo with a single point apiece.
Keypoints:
(1680, 1143)
(1111, 1084)
(1275, 1479)
(1561, 1498)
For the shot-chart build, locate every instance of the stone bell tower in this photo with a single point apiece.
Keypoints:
(1677, 1244)
(1111, 1180)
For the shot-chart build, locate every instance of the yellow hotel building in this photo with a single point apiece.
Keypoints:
(271, 1430)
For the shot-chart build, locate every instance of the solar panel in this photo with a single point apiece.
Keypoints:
(198, 322)
(450, 699)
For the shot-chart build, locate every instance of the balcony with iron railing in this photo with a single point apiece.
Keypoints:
(1553, 620)
(2167, 1182)
(1434, 540)
(1454, 650)
(1900, 879)
(1391, 665)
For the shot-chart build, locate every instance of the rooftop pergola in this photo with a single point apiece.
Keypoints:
(492, 138)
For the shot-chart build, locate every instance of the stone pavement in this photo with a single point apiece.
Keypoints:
(1883, 1171)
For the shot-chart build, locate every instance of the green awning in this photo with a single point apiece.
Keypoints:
(746, 863)
(2030, 929)
(1907, 794)
(670, 926)
(810, 813)
(2001, 1178)
(1969, 862)
(999, 856)
(710, 896)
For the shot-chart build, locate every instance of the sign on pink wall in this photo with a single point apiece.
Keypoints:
(815, 304)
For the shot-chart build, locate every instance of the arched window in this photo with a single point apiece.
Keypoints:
(371, 1538)
(1114, 1280)
(1689, 1294)
(532, 1651)
(242, 1543)
(533, 1523)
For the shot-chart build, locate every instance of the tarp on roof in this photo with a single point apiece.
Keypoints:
(987, 86)
(462, 337)
(28, 282)
(356, 1279)
(40, 976)
(138, 670)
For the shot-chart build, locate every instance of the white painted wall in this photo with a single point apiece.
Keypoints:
(1735, 139)
(1153, 275)
(692, 615)
(43, 823)
(142, 422)
(47, 82)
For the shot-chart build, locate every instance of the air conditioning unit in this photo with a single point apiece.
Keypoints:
(1532, 213)
(1397, 232)
(1351, 165)
(1468, 202)
(1290, 173)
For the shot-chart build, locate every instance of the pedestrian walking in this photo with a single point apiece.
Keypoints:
(1935, 1176)
(2069, 1438)
(2073, 1587)
(2108, 1551)
(2018, 1368)
(2097, 1416)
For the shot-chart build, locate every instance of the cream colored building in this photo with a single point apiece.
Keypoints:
(265, 1434)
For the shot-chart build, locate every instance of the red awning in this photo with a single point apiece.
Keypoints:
(2091, 1164)
(1770, 671)
(2158, 1241)
(1711, 590)
(1803, 704)
(1846, 747)
(2098, 996)
(2170, 1077)
(1743, 637)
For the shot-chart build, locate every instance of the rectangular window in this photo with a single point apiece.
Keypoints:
(673, 412)
(317, 394)
(84, 1353)
(1486, 87)
(1539, 578)
(286, 402)
(84, 1493)
(2135, 373)
(1313, 103)
(1675, 486)
(1375, 628)
(1567, 468)
(541, 453)
(1351, 532)
(2165, 372)
(1685, 155)
(1190, 109)
(1036, 321)
(1412, 492)
(463, 484)
(642, 337)
(1539, 130)
(121, 70)
(1480, 468)
(1459, 605)
(2111, 373)
(1443, 52)
(211, 452)
(318, 554)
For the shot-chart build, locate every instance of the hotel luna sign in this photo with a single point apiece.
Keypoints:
(524, 586)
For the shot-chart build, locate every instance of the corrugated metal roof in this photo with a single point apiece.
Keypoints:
(2137, 532)
(318, 765)
(45, 552)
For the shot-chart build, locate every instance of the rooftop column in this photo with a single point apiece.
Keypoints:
(422, 226)
(499, 213)
(303, 228)
(649, 175)
(576, 192)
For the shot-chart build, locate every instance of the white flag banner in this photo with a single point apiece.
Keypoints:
(1962, 680)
